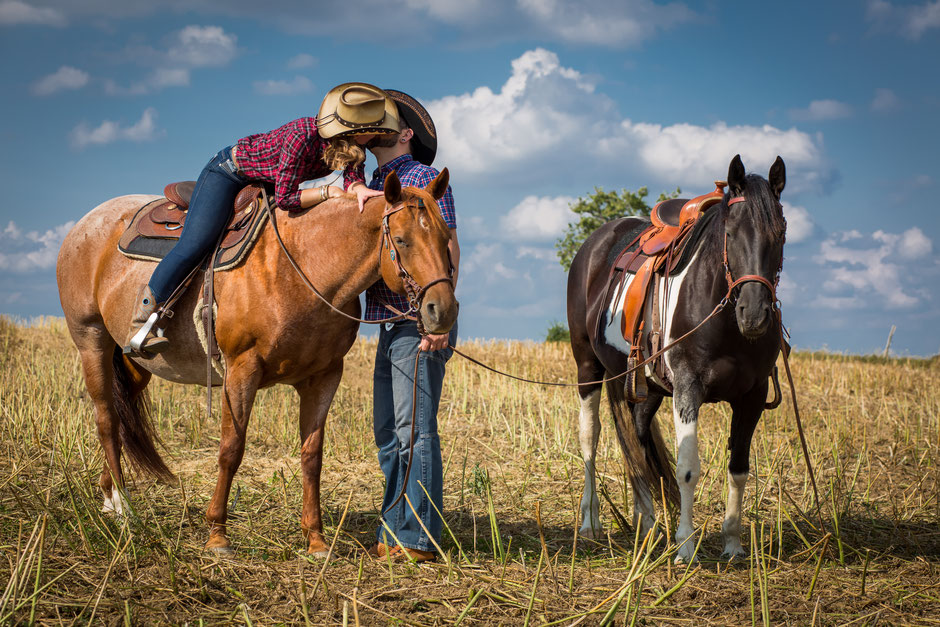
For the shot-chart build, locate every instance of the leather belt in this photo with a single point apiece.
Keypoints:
(234, 160)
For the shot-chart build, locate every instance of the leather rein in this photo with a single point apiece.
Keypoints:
(413, 289)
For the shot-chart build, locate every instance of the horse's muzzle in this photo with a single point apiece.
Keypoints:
(439, 309)
(753, 311)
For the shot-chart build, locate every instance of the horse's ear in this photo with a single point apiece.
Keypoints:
(392, 188)
(778, 177)
(736, 176)
(438, 187)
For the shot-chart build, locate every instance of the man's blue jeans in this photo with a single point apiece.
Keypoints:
(209, 211)
(392, 406)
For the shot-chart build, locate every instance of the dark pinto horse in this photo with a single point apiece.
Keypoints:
(728, 359)
(271, 327)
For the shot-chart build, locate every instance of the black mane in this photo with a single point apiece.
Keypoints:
(766, 211)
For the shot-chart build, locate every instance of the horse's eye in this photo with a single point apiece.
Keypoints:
(400, 242)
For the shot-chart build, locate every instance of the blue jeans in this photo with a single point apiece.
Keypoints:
(392, 406)
(209, 211)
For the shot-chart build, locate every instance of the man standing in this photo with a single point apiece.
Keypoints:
(409, 154)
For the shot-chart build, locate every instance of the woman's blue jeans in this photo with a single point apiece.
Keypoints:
(209, 211)
(392, 405)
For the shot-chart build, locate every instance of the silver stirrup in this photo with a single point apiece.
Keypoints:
(138, 340)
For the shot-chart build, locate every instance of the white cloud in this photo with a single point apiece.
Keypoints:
(800, 225)
(299, 85)
(202, 46)
(537, 218)
(600, 22)
(687, 153)
(864, 272)
(154, 81)
(16, 12)
(301, 61)
(65, 77)
(25, 252)
(820, 110)
(108, 131)
(911, 21)
(884, 101)
(551, 119)
(190, 48)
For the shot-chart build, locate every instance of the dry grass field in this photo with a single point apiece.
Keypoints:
(513, 480)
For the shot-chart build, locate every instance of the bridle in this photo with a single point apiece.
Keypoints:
(413, 289)
(746, 278)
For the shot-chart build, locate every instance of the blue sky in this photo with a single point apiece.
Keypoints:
(536, 103)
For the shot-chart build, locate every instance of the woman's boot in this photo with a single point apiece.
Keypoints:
(142, 338)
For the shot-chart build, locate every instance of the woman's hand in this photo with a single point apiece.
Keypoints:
(363, 194)
(334, 192)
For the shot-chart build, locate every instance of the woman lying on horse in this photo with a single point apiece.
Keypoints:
(350, 116)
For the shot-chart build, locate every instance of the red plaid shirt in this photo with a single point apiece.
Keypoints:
(288, 156)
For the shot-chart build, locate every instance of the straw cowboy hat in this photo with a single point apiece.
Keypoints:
(356, 109)
(416, 117)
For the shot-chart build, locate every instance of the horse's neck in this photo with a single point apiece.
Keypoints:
(709, 265)
(336, 246)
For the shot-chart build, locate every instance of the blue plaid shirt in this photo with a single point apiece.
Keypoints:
(411, 173)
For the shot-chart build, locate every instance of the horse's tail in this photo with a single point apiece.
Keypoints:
(648, 459)
(137, 433)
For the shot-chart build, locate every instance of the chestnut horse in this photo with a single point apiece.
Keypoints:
(270, 327)
(728, 359)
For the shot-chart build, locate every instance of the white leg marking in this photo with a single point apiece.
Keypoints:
(589, 428)
(688, 471)
(731, 527)
(114, 504)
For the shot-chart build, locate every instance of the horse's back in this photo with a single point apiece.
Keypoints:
(591, 265)
(90, 270)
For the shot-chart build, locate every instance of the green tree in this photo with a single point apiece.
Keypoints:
(557, 332)
(596, 209)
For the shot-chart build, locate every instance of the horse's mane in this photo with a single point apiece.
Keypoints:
(764, 207)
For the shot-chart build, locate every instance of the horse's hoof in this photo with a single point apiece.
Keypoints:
(736, 555)
(318, 553)
(685, 560)
(220, 545)
(591, 533)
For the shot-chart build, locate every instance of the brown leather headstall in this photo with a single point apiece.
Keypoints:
(413, 289)
(746, 278)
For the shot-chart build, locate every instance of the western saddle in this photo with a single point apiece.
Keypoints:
(155, 228)
(656, 250)
(167, 218)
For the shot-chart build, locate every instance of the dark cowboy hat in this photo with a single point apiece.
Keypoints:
(416, 117)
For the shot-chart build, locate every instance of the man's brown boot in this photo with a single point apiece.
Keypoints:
(397, 554)
(141, 338)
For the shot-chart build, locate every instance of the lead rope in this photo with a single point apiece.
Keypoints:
(799, 423)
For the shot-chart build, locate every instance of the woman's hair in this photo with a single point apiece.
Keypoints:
(341, 153)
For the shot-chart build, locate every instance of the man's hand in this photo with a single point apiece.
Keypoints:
(434, 342)
(363, 193)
